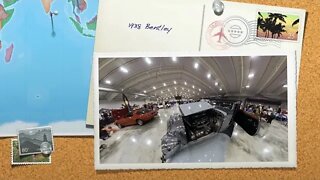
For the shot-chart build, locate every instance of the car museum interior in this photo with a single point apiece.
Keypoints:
(193, 109)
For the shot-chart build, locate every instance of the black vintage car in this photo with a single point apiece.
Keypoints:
(199, 120)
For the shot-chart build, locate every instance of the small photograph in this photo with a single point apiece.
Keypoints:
(155, 112)
(35, 141)
(277, 26)
(16, 159)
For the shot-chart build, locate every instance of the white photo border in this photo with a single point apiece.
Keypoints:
(291, 82)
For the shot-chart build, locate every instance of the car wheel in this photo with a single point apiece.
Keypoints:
(139, 122)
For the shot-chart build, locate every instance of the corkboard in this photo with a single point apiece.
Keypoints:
(73, 157)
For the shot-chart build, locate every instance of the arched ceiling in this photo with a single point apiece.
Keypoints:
(162, 77)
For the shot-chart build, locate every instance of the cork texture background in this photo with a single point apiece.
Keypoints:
(74, 158)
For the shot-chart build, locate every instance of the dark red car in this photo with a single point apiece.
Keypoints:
(140, 117)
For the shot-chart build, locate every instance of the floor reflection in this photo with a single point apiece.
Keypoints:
(141, 144)
(270, 144)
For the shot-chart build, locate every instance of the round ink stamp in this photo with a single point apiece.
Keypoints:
(236, 31)
(233, 32)
(215, 35)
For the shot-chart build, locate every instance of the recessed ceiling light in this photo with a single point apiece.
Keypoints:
(108, 82)
(123, 69)
(208, 75)
(216, 83)
(182, 88)
(168, 89)
(161, 92)
(164, 84)
(196, 65)
(199, 89)
(174, 59)
(185, 83)
(251, 75)
(144, 91)
(175, 87)
(285, 85)
(220, 89)
(247, 86)
(193, 86)
(174, 82)
(148, 60)
(188, 90)
(154, 87)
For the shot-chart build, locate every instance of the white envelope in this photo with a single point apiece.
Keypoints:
(193, 24)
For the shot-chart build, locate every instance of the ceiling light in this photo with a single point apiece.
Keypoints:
(185, 83)
(193, 86)
(253, 57)
(216, 84)
(108, 82)
(168, 89)
(182, 88)
(220, 89)
(154, 87)
(174, 59)
(175, 87)
(251, 75)
(164, 84)
(285, 85)
(123, 69)
(208, 75)
(161, 92)
(174, 82)
(148, 60)
(247, 86)
(144, 91)
(199, 89)
(196, 65)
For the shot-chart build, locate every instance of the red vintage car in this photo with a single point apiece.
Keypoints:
(140, 117)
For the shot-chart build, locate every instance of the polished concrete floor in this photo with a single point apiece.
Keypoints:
(141, 144)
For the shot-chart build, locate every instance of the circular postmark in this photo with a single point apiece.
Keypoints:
(234, 31)
(215, 35)
(45, 148)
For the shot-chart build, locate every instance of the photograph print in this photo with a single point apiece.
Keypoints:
(192, 111)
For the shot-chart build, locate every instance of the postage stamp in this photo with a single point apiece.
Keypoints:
(35, 141)
(16, 159)
(277, 26)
